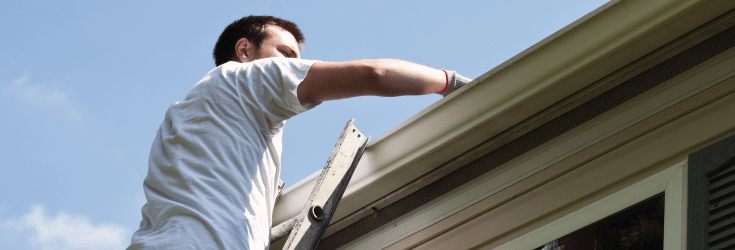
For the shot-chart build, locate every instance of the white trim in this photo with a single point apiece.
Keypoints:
(670, 181)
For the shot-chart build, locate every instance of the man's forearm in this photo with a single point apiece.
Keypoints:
(397, 77)
(382, 77)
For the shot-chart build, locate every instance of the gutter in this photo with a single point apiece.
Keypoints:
(576, 56)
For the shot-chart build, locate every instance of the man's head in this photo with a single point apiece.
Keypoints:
(257, 37)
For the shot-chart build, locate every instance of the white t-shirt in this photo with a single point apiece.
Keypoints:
(215, 162)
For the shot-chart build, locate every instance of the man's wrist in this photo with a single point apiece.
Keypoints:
(446, 75)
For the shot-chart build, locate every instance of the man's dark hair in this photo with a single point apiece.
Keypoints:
(252, 28)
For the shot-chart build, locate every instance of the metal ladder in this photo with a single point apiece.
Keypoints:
(306, 229)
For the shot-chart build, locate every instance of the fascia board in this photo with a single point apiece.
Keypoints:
(576, 56)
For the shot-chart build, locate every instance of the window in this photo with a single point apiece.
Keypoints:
(640, 226)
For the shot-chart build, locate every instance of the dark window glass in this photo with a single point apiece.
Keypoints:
(640, 226)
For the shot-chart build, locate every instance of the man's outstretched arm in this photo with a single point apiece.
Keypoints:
(381, 77)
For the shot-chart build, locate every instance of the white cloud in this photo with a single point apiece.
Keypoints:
(51, 99)
(66, 231)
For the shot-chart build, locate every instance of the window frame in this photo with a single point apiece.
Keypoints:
(670, 181)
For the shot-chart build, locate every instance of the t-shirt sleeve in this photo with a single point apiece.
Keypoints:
(272, 84)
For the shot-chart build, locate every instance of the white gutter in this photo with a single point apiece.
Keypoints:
(565, 62)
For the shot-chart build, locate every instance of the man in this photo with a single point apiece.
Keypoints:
(215, 163)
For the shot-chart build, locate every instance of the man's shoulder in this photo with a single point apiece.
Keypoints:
(267, 61)
(263, 64)
(283, 61)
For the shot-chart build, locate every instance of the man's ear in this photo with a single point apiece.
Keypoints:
(241, 50)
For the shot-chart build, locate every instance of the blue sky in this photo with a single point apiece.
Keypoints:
(85, 84)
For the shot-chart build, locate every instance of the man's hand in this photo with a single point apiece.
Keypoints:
(456, 81)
